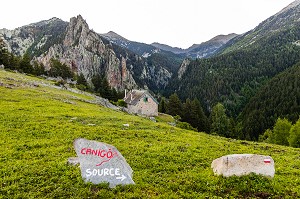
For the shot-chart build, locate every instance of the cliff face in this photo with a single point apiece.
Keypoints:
(84, 52)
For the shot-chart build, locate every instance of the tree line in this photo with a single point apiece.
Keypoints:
(191, 112)
(283, 133)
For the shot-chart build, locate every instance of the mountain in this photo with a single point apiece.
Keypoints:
(165, 47)
(280, 97)
(90, 53)
(287, 18)
(154, 55)
(203, 50)
(37, 37)
(209, 48)
(243, 66)
(141, 49)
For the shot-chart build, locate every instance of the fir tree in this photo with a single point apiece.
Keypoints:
(199, 119)
(25, 65)
(162, 105)
(219, 119)
(174, 105)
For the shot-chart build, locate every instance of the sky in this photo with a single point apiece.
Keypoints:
(178, 23)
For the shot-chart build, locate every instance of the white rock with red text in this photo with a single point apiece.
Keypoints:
(244, 164)
(101, 162)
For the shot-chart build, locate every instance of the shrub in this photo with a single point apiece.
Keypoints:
(294, 139)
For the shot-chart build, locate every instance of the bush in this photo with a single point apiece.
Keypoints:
(121, 103)
(185, 125)
(294, 139)
(281, 132)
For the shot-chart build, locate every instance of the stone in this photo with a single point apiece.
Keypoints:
(73, 161)
(152, 119)
(244, 164)
(101, 162)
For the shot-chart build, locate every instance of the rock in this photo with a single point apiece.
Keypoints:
(126, 125)
(84, 52)
(73, 161)
(101, 162)
(183, 67)
(244, 164)
(152, 119)
(1, 66)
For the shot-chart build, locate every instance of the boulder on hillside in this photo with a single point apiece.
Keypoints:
(244, 164)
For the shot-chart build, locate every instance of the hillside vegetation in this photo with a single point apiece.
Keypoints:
(282, 92)
(39, 122)
(235, 77)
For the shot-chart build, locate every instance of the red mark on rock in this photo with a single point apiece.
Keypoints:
(103, 154)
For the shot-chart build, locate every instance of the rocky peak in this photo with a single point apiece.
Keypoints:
(84, 52)
(78, 28)
(114, 36)
(45, 22)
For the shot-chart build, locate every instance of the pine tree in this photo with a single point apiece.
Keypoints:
(200, 121)
(59, 70)
(219, 119)
(38, 68)
(187, 112)
(162, 105)
(105, 90)
(97, 82)
(25, 65)
(3, 54)
(174, 105)
(81, 80)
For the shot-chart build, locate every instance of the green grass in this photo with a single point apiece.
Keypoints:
(38, 125)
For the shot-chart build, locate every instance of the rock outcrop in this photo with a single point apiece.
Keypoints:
(183, 67)
(84, 52)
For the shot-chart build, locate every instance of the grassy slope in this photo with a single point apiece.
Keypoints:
(39, 124)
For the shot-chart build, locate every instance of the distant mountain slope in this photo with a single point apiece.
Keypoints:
(280, 97)
(165, 47)
(285, 19)
(141, 49)
(154, 55)
(233, 77)
(203, 50)
(209, 48)
(35, 37)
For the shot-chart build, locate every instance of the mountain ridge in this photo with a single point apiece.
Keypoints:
(86, 52)
(204, 50)
(234, 75)
(286, 18)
